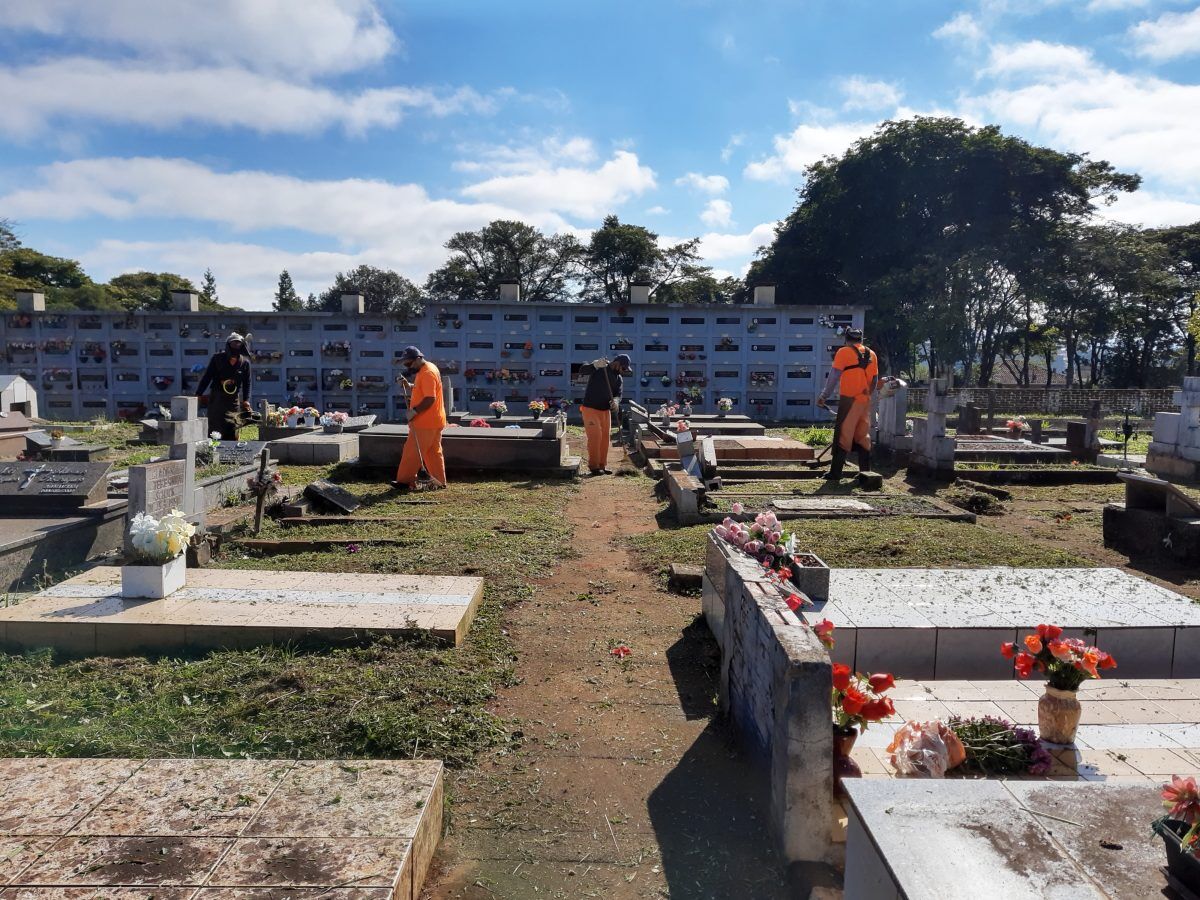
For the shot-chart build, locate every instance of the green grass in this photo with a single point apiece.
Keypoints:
(814, 436)
(869, 543)
(390, 699)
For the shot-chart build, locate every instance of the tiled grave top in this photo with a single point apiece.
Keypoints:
(945, 840)
(201, 829)
(1002, 597)
(1135, 730)
(86, 614)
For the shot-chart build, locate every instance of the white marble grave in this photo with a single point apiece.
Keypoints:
(1175, 449)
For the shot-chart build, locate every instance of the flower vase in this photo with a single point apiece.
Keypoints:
(291, 421)
(154, 581)
(55, 443)
(1058, 715)
(1015, 433)
(537, 414)
(335, 428)
(496, 414)
(1181, 864)
(843, 765)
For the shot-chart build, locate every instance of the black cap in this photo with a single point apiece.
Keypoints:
(855, 334)
(624, 360)
(410, 353)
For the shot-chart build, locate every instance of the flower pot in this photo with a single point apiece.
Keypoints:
(1058, 715)
(154, 581)
(810, 574)
(537, 413)
(55, 443)
(334, 429)
(1184, 867)
(496, 414)
(843, 765)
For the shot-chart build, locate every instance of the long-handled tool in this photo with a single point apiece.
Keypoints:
(815, 462)
(423, 483)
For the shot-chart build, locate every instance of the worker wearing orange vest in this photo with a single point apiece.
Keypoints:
(855, 373)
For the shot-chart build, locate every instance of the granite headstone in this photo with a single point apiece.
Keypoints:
(40, 487)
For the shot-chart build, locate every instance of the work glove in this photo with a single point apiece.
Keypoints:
(614, 407)
(821, 403)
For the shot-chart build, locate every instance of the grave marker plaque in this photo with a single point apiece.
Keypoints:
(239, 453)
(340, 498)
(41, 487)
(157, 488)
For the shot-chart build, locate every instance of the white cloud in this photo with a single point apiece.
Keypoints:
(1150, 209)
(963, 27)
(717, 214)
(1098, 6)
(527, 157)
(735, 141)
(805, 145)
(657, 211)
(569, 189)
(706, 184)
(736, 248)
(862, 93)
(37, 97)
(1170, 36)
(1139, 123)
(1037, 58)
(308, 38)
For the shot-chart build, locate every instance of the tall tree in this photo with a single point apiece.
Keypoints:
(208, 289)
(383, 290)
(889, 221)
(286, 298)
(8, 235)
(148, 290)
(504, 250)
(1182, 244)
(619, 254)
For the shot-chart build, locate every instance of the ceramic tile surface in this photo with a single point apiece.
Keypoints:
(217, 829)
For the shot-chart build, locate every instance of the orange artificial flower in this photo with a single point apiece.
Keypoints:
(1033, 644)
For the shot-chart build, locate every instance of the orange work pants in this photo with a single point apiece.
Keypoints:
(429, 440)
(854, 423)
(597, 425)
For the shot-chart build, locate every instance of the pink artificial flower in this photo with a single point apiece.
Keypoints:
(1182, 798)
(738, 509)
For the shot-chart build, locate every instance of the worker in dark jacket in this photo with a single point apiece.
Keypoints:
(228, 373)
(599, 405)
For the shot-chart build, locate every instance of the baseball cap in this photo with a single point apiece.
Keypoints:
(624, 360)
(410, 352)
(855, 334)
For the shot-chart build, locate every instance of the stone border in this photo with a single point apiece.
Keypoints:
(776, 681)
(1034, 475)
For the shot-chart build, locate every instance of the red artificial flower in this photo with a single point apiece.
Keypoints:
(794, 602)
(1024, 664)
(1106, 661)
(878, 709)
(1008, 650)
(1033, 643)
(1060, 650)
(1182, 798)
(824, 632)
(882, 681)
(620, 651)
(841, 677)
(1049, 632)
(853, 701)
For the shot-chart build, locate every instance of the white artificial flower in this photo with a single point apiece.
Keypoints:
(215, 435)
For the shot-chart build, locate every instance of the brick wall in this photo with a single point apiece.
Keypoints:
(1072, 402)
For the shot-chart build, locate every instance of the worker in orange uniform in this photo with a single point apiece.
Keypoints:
(855, 373)
(426, 419)
(599, 405)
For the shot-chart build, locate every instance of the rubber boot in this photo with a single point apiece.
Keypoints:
(839, 462)
(864, 460)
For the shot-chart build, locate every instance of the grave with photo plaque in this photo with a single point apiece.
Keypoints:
(42, 487)
(239, 453)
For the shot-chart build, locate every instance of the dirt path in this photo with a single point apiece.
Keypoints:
(621, 785)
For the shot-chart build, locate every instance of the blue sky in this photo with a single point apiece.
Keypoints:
(253, 135)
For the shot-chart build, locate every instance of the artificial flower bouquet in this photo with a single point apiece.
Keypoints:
(1066, 662)
(724, 404)
(859, 699)
(498, 407)
(537, 406)
(158, 541)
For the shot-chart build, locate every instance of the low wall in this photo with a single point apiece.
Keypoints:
(776, 681)
(1064, 401)
(472, 448)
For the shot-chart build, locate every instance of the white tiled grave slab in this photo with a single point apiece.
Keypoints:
(195, 828)
(949, 623)
(924, 839)
(86, 615)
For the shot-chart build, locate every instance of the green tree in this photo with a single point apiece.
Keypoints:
(149, 290)
(208, 290)
(891, 222)
(383, 290)
(1182, 244)
(286, 298)
(8, 235)
(504, 250)
(619, 254)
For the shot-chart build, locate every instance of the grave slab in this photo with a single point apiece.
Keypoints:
(166, 829)
(86, 615)
(46, 487)
(315, 449)
(942, 840)
(948, 621)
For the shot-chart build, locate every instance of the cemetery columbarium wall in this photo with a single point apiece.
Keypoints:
(776, 680)
(770, 360)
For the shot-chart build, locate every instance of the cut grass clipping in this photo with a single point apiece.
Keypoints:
(391, 699)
